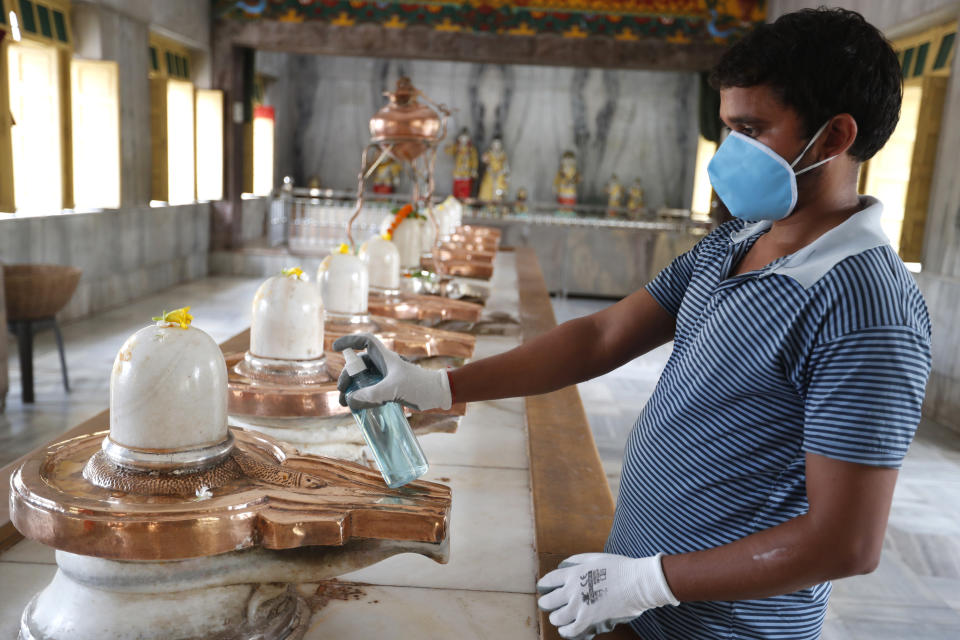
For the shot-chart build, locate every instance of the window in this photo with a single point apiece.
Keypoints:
(44, 21)
(172, 130)
(209, 145)
(943, 53)
(180, 156)
(35, 174)
(901, 174)
(96, 134)
(907, 59)
(889, 173)
(35, 135)
(702, 190)
(168, 59)
(921, 59)
(263, 150)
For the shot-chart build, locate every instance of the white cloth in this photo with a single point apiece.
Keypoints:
(592, 592)
(404, 382)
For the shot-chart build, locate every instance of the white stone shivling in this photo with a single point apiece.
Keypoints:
(383, 263)
(344, 284)
(449, 216)
(155, 364)
(287, 319)
(408, 237)
(428, 235)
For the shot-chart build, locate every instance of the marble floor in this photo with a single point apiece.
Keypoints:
(915, 592)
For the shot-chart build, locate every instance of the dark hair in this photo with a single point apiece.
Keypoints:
(822, 62)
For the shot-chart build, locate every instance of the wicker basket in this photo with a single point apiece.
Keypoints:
(36, 291)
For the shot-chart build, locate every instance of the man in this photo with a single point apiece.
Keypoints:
(764, 464)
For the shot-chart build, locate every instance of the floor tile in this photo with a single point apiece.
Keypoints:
(19, 582)
(29, 551)
(491, 434)
(491, 537)
(402, 613)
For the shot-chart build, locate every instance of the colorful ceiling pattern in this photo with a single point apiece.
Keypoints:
(680, 21)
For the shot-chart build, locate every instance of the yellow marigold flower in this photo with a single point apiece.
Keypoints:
(180, 316)
(293, 272)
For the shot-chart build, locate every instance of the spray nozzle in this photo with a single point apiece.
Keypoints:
(354, 363)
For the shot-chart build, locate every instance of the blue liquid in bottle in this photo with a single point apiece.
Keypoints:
(386, 430)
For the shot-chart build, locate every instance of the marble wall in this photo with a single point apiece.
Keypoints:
(124, 253)
(633, 123)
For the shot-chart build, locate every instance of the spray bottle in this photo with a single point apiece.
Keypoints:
(386, 430)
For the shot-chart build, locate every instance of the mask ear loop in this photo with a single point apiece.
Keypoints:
(807, 148)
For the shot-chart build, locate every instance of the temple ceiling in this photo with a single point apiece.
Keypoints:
(643, 34)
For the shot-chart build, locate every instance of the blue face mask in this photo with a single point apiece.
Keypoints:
(753, 181)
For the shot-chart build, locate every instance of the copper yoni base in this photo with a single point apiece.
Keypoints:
(480, 243)
(263, 494)
(249, 394)
(460, 268)
(249, 398)
(488, 237)
(409, 340)
(420, 308)
(456, 253)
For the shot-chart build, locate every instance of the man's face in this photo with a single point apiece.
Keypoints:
(758, 113)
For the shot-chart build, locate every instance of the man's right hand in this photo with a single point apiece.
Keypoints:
(404, 382)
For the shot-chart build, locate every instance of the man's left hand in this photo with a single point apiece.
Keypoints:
(592, 592)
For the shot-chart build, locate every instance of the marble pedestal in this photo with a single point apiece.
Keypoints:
(241, 595)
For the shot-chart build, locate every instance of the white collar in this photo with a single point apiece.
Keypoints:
(858, 233)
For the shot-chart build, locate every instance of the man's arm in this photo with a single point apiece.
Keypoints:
(570, 353)
(841, 535)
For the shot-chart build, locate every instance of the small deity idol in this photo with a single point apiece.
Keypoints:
(520, 205)
(567, 179)
(386, 177)
(614, 191)
(465, 164)
(635, 200)
(493, 187)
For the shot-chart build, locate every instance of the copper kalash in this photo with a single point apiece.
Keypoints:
(409, 132)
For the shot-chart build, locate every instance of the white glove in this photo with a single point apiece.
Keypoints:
(592, 592)
(404, 382)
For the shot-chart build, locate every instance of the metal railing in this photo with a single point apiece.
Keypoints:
(315, 220)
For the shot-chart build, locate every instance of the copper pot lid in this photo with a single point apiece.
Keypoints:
(71, 497)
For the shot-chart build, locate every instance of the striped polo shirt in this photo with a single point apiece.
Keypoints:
(825, 350)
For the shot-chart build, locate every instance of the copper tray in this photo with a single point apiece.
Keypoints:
(264, 399)
(488, 237)
(409, 340)
(462, 268)
(418, 308)
(480, 231)
(456, 253)
(263, 494)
